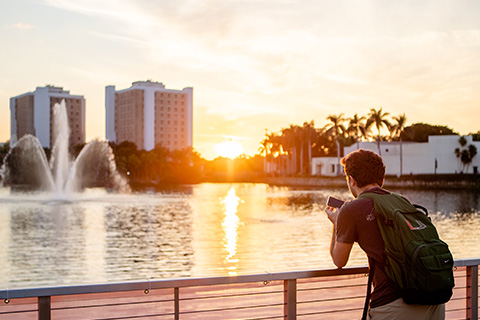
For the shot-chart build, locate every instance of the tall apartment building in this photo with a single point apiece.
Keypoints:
(32, 113)
(149, 114)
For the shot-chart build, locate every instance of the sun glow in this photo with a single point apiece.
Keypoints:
(228, 149)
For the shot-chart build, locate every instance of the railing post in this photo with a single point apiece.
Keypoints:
(290, 299)
(176, 302)
(44, 308)
(472, 292)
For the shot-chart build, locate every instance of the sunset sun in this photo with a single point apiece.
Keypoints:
(228, 149)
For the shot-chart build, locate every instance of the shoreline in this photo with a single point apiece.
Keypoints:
(432, 182)
(458, 181)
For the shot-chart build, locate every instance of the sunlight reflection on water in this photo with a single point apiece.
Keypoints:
(230, 226)
(201, 230)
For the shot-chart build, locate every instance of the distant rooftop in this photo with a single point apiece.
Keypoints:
(148, 83)
(53, 89)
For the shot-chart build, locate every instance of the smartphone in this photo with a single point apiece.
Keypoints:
(334, 202)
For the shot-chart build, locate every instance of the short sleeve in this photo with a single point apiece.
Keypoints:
(346, 226)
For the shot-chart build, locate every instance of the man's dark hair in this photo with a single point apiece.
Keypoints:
(365, 167)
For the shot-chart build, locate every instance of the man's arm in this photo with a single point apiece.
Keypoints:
(340, 251)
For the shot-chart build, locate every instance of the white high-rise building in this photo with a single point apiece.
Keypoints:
(32, 113)
(148, 114)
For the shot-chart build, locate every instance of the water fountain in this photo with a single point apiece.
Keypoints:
(27, 166)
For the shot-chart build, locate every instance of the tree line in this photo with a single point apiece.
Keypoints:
(290, 150)
(157, 167)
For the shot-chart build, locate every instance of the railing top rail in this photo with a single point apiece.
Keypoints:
(190, 282)
(467, 262)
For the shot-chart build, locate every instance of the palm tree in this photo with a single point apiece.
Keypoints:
(308, 134)
(354, 127)
(465, 154)
(276, 151)
(392, 130)
(401, 121)
(378, 117)
(337, 131)
(265, 151)
(366, 130)
(399, 126)
(289, 145)
(271, 148)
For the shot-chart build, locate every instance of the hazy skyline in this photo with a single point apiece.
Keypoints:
(253, 64)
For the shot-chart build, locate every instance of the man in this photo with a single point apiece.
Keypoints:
(356, 222)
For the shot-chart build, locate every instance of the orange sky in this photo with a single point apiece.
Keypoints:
(253, 65)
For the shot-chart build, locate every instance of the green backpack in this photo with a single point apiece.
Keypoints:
(416, 259)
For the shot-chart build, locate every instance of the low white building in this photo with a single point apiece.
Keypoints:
(325, 166)
(435, 156)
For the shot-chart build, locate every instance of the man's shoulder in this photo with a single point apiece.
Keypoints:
(356, 202)
(357, 206)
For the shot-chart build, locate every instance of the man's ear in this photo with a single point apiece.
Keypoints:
(352, 181)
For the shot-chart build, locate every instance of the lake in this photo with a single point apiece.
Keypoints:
(193, 231)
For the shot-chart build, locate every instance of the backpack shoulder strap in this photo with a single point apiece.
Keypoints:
(369, 288)
(387, 203)
(422, 208)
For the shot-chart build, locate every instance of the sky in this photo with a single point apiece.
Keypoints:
(255, 65)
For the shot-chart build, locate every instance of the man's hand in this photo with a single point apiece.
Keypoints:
(332, 214)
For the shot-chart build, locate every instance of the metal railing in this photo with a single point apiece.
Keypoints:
(321, 294)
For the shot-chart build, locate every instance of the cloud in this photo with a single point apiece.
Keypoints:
(123, 10)
(120, 38)
(21, 26)
(251, 58)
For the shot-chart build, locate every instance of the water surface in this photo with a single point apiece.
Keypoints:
(200, 230)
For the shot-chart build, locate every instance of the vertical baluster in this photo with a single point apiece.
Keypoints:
(290, 299)
(176, 298)
(472, 292)
(44, 308)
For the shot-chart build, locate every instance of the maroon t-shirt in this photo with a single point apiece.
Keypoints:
(356, 222)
